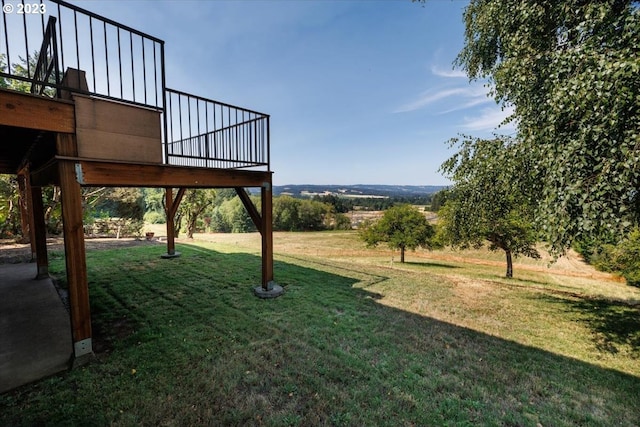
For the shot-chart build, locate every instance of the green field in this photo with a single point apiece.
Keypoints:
(357, 339)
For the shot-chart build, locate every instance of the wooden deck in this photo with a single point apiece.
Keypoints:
(86, 142)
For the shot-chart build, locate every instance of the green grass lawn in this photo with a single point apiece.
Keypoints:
(356, 340)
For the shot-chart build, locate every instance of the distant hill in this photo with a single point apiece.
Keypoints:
(357, 191)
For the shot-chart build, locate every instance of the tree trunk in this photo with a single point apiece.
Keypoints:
(402, 254)
(509, 264)
(191, 225)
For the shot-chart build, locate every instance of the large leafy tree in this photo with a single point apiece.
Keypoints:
(571, 70)
(401, 227)
(486, 204)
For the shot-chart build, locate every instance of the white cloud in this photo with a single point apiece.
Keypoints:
(469, 97)
(429, 97)
(489, 120)
(448, 73)
(477, 100)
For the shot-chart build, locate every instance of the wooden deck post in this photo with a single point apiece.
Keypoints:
(39, 233)
(32, 212)
(264, 223)
(26, 211)
(74, 248)
(171, 208)
(268, 289)
(267, 234)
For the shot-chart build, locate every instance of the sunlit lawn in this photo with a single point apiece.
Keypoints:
(357, 339)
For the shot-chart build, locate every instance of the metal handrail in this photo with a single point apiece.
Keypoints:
(206, 133)
(121, 63)
(47, 64)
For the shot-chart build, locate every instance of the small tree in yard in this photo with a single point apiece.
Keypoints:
(486, 202)
(401, 227)
(193, 204)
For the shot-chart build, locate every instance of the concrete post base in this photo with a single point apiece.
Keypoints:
(272, 291)
(82, 353)
(169, 256)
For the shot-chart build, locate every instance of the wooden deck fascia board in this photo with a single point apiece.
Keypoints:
(96, 173)
(36, 112)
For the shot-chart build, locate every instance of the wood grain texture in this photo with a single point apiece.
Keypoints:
(74, 248)
(115, 131)
(118, 174)
(35, 112)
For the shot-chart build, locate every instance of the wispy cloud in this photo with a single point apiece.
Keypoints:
(489, 120)
(477, 100)
(465, 95)
(429, 97)
(437, 71)
(468, 96)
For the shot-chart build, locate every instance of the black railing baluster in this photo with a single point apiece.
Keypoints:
(155, 74)
(42, 20)
(61, 38)
(120, 62)
(164, 91)
(170, 122)
(198, 116)
(133, 73)
(206, 121)
(180, 115)
(215, 139)
(26, 42)
(75, 25)
(54, 49)
(144, 72)
(6, 40)
(106, 58)
(93, 57)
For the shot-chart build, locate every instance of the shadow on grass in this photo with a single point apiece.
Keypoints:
(201, 349)
(614, 323)
(430, 264)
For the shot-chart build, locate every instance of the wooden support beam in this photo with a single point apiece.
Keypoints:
(250, 207)
(74, 248)
(264, 223)
(36, 112)
(268, 289)
(266, 200)
(119, 174)
(39, 234)
(37, 225)
(171, 207)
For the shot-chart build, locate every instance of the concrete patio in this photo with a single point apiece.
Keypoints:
(35, 330)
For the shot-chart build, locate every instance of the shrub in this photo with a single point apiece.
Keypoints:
(622, 258)
(628, 258)
(154, 218)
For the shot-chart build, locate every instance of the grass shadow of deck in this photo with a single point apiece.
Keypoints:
(201, 349)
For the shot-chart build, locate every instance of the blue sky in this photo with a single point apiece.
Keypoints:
(359, 92)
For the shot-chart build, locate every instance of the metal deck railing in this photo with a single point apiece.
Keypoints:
(207, 133)
(43, 39)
